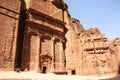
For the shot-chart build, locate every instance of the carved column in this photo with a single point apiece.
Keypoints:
(37, 67)
(35, 53)
(61, 56)
(52, 53)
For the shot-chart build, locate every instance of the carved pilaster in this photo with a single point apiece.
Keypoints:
(52, 53)
(38, 54)
(35, 53)
(61, 55)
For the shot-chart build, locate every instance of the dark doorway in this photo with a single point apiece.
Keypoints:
(119, 69)
(44, 69)
(73, 72)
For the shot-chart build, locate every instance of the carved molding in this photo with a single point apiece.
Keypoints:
(9, 13)
(50, 22)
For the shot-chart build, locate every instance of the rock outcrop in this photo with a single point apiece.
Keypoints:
(91, 53)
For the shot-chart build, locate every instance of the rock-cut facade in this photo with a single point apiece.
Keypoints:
(41, 36)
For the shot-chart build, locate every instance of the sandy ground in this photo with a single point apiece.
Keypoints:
(38, 76)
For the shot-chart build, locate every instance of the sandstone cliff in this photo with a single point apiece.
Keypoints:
(92, 53)
(40, 35)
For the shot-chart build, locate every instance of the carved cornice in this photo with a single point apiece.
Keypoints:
(9, 13)
(43, 29)
(11, 5)
(10, 8)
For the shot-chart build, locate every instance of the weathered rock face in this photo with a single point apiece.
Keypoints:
(91, 54)
(40, 35)
(115, 49)
(96, 53)
(93, 31)
(9, 15)
(72, 38)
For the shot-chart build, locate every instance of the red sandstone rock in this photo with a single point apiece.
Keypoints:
(9, 16)
(93, 31)
(41, 36)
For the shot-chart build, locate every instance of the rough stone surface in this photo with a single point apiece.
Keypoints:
(91, 53)
(9, 15)
(41, 36)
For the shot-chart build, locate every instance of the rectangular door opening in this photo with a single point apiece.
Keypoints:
(44, 69)
(73, 72)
